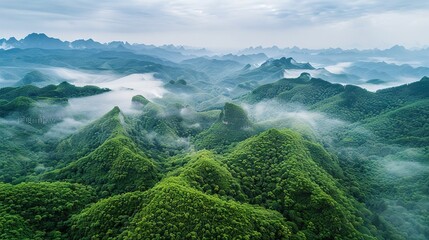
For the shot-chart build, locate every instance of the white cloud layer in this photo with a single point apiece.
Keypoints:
(226, 24)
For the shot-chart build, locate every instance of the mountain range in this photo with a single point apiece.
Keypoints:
(133, 141)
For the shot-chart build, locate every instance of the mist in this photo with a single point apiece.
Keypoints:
(399, 82)
(339, 67)
(80, 77)
(81, 111)
(394, 168)
(272, 113)
(123, 89)
(352, 73)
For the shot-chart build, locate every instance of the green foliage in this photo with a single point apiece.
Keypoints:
(117, 166)
(139, 99)
(107, 218)
(40, 210)
(324, 159)
(164, 131)
(177, 212)
(269, 71)
(20, 150)
(90, 137)
(21, 99)
(231, 127)
(63, 90)
(407, 125)
(296, 90)
(234, 116)
(13, 226)
(354, 104)
(275, 170)
(310, 193)
(348, 102)
(19, 104)
(204, 173)
(173, 210)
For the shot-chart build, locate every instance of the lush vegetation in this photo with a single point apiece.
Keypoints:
(196, 203)
(117, 166)
(275, 170)
(90, 137)
(348, 102)
(231, 127)
(21, 99)
(40, 210)
(193, 165)
(62, 90)
(406, 125)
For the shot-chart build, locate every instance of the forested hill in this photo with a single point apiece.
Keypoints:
(21, 99)
(347, 102)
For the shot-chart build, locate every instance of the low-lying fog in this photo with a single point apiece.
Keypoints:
(400, 169)
(80, 111)
(79, 77)
(338, 74)
(272, 113)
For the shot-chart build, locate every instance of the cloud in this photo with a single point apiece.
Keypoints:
(225, 24)
(65, 128)
(272, 113)
(4, 46)
(81, 78)
(123, 89)
(339, 67)
(80, 111)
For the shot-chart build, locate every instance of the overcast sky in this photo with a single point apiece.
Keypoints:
(225, 24)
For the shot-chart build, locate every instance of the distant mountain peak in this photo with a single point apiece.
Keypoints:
(286, 63)
(398, 47)
(36, 36)
(33, 77)
(305, 76)
(12, 40)
(41, 40)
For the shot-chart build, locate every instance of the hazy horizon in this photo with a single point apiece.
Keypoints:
(215, 50)
(222, 25)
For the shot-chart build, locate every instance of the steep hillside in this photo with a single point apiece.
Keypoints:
(173, 210)
(407, 125)
(232, 126)
(117, 166)
(90, 137)
(348, 102)
(20, 150)
(206, 173)
(304, 89)
(161, 129)
(250, 78)
(275, 170)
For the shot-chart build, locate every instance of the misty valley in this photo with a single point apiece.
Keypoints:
(133, 141)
